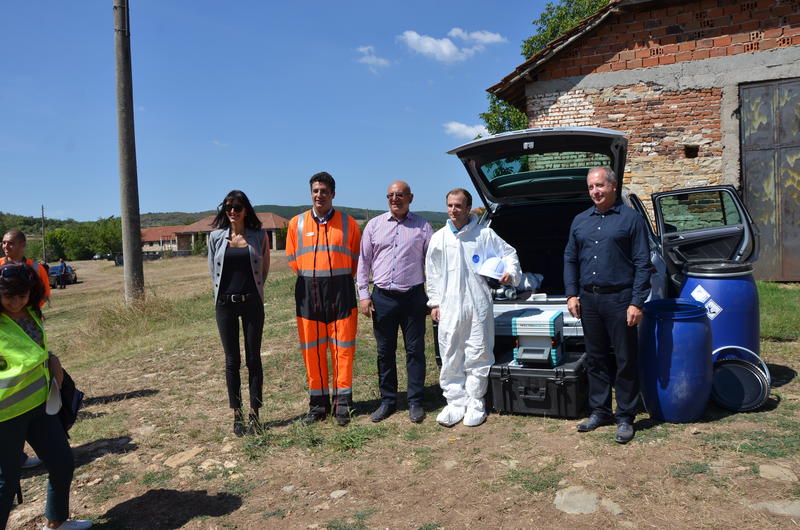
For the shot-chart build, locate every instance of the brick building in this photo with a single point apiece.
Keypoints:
(708, 92)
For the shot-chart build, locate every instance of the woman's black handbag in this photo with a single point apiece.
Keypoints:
(71, 399)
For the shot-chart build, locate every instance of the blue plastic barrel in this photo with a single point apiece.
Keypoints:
(675, 366)
(729, 293)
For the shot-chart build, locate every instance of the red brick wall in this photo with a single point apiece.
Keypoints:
(688, 32)
(659, 123)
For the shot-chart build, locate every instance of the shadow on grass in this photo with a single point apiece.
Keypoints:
(780, 375)
(122, 396)
(89, 452)
(432, 399)
(167, 509)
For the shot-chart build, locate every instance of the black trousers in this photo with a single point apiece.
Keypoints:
(251, 314)
(406, 311)
(47, 437)
(604, 320)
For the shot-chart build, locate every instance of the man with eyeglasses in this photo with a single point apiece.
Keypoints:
(393, 248)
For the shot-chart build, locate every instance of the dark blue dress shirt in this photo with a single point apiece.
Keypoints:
(608, 250)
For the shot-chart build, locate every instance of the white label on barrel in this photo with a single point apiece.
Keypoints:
(700, 294)
(713, 309)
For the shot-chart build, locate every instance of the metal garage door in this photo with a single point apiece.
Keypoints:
(770, 136)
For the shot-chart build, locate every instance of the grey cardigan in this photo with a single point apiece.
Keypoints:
(257, 243)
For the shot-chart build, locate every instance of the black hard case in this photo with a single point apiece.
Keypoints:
(559, 392)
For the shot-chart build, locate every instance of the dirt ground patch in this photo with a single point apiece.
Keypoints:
(154, 450)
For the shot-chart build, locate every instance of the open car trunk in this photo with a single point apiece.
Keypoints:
(539, 233)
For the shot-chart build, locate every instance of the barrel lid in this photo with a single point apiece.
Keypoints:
(718, 267)
(738, 385)
(674, 308)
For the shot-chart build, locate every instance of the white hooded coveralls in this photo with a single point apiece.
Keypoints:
(466, 325)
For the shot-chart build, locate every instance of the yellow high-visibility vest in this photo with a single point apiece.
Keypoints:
(24, 377)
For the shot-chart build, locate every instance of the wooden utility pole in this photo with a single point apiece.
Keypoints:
(128, 181)
(44, 246)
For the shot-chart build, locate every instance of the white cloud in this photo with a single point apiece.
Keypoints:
(479, 37)
(217, 143)
(444, 49)
(369, 58)
(462, 130)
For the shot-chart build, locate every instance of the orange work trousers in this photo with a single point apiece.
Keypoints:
(316, 339)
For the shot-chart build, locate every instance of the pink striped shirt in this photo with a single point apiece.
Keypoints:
(394, 252)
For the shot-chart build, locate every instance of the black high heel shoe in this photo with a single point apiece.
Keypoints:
(238, 424)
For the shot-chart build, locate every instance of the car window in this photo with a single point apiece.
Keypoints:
(543, 165)
(699, 210)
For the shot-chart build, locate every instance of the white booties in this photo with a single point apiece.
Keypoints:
(450, 415)
(475, 414)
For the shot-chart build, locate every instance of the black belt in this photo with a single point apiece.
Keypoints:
(602, 289)
(238, 298)
(394, 293)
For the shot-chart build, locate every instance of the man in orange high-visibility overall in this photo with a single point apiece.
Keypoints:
(322, 246)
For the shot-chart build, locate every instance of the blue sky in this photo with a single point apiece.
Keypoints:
(251, 95)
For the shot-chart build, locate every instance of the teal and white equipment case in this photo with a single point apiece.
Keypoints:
(539, 335)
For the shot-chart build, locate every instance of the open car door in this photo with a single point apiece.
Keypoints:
(708, 224)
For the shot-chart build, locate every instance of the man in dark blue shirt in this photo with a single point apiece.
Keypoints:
(607, 279)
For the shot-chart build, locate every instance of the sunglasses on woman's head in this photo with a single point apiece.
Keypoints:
(234, 207)
(10, 272)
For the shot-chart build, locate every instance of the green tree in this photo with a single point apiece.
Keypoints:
(554, 21)
(107, 236)
(501, 116)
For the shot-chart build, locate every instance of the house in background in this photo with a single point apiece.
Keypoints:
(186, 236)
(160, 238)
(708, 92)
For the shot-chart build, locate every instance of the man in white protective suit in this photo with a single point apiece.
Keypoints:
(461, 301)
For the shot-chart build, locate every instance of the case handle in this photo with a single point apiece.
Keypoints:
(538, 395)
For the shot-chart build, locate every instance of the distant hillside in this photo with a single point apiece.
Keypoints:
(33, 225)
(185, 218)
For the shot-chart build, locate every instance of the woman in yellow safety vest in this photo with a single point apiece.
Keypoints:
(26, 369)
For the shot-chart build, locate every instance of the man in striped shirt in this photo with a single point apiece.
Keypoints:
(393, 248)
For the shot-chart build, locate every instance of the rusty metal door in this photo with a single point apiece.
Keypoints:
(770, 147)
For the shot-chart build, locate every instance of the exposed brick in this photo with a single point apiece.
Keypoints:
(666, 59)
(735, 49)
(668, 40)
(634, 63)
(791, 32)
(715, 13)
(773, 33)
(722, 41)
(602, 68)
(699, 54)
(650, 61)
(683, 56)
(643, 53)
(586, 70)
(718, 52)
(687, 46)
(768, 44)
(573, 71)
(671, 49)
(626, 55)
(795, 40)
(705, 43)
(740, 38)
(620, 65)
(683, 18)
(635, 26)
(751, 25)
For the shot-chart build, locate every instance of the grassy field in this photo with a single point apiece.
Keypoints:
(154, 449)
